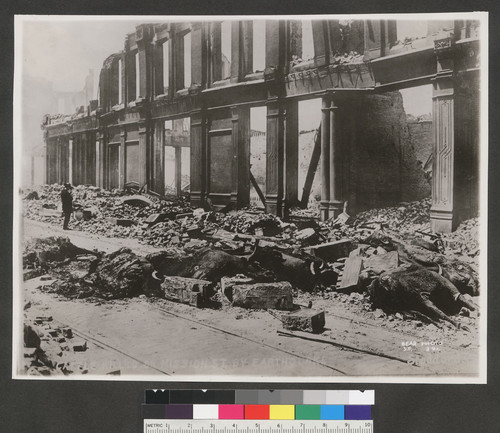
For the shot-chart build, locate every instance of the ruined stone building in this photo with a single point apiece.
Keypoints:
(186, 89)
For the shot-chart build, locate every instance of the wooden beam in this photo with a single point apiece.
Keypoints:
(257, 188)
(311, 171)
(325, 157)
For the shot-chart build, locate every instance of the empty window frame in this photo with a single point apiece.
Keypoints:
(259, 46)
(307, 41)
(301, 41)
(166, 65)
(120, 81)
(225, 36)
(220, 48)
(187, 60)
(137, 77)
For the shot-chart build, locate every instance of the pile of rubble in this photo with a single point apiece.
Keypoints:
(256, 260)
(49, 348)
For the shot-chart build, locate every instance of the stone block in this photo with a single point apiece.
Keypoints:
(190, 291)
(379, 263)
(227, 284)
(121, 221)
(67, 332)
(156, 218)
(28, 274)
(136, 200)
(331, 251)
(305, 320)
(51, 212)
(307, 235)
(80, 346)
(264, 295)
(350, 276)
(29, 352)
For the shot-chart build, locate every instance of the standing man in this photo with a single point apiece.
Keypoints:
(67, 204)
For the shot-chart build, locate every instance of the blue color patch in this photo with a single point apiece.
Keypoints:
(332, 411)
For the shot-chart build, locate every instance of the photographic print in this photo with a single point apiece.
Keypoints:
(251, 198)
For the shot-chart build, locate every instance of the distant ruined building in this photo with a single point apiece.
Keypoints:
(187, 88)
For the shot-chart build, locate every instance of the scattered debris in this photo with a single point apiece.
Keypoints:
(257, 259)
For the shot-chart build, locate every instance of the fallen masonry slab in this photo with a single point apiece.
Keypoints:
(379, 263)
(307, 235)
(305, 320)
(350, 276)
(80, 346)
(227, 284)
(331, 251)
(264, 295)
(50, 212)
(136, 200)
(121, 221)
(190, 291)
(28, 274)
(156, 218)
(184, 215)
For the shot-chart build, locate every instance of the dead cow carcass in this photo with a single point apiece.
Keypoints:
(460, 274)
(416, 289)
(206, 264)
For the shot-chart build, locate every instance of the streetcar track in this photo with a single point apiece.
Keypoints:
(250, 339)
(107, 346)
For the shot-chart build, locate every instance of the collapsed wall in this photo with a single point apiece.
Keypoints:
(385, 153)
(417, 160)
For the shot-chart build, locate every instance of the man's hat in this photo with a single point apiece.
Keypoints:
(68, 186)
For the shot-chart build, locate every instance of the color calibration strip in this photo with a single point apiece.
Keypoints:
(288, 396)
(259, 405)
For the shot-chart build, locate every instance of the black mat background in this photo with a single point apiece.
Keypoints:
(112, 407)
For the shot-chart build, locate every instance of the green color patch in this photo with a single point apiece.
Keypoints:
(308, 411)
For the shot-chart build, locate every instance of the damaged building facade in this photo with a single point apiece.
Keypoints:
(183, 92)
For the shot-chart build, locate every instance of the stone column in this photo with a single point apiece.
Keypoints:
(335, 205)
(198, 137)
(325, 158)
(240, 191)
(97, 161)
(143, 153)
(443, 167)
(292, 154)
(274, 157)
(158, 157)
(123, 144)
(70, 160)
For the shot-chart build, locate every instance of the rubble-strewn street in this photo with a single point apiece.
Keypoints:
(140, 285)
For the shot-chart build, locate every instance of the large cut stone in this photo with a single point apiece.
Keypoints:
(187, 290)
(264, 295)
(332, 251)
(227, 284)
(305, 320)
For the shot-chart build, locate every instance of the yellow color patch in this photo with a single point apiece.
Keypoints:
(281, 411)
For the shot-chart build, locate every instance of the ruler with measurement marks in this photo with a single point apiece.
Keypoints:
(261, 426)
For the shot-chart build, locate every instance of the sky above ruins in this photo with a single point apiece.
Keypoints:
(61, 51)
